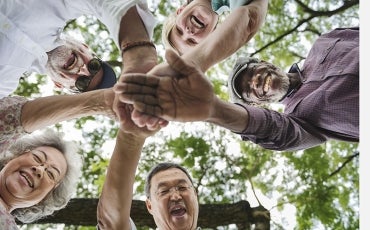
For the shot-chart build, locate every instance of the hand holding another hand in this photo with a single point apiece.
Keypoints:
(187, 96)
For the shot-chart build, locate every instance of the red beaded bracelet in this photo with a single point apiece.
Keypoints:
(129, 45)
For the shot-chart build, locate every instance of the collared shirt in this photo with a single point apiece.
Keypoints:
(30, 28)
(325, 107)
(220, 6)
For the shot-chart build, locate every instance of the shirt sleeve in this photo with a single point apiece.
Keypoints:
(278, 131)
(133, 226)
(10, 120)
(111, 12)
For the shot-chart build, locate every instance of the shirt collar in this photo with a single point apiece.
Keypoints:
(293, 69)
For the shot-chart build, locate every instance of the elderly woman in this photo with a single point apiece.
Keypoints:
(39, 171)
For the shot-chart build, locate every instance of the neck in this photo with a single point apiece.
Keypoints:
(295, 82)
(5, 205)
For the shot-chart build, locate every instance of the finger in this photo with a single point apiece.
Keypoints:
(148, 110)
(141, 79)
(138, 98)
(139, 118)
(133, 88)
(163, 69)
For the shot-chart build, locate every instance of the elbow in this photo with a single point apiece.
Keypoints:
(109, 219)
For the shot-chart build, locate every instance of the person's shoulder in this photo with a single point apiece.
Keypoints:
(7, 221)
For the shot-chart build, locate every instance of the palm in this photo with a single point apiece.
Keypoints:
(186, 97)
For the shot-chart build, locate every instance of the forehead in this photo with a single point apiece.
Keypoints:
(169, 176)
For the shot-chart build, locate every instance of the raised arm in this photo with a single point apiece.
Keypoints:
(44, 111)
(237, 29)
(115, 201)
(140, 58)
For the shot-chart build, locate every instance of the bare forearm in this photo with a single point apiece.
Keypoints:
(229, 116)
(115, 201)
(139, 58)
(44, 111)
(237, 29)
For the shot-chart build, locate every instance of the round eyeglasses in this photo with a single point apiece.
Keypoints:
(165, 192)
(83, 81)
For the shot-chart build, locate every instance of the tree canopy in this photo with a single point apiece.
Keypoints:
(313, 189)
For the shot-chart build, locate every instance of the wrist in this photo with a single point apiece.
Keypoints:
(139, 59)
(131, 45)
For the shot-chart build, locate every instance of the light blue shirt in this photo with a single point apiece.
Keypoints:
(220, 6)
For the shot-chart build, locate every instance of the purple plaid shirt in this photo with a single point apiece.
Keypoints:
(325, 107)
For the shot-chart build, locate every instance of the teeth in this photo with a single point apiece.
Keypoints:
(266, 86)
(196, 22)
(27, 179)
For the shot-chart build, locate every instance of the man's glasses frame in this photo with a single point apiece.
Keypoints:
(164, 192)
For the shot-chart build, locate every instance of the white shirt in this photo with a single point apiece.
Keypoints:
(30, 28)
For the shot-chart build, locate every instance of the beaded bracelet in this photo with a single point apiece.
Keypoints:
(129, 45)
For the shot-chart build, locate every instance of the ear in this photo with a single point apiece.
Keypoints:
(179, 10)
(149, 206)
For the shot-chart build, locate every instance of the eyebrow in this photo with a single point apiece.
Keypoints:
(46, 158)
(164, 184)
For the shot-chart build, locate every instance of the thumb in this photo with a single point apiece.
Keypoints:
(178, 64)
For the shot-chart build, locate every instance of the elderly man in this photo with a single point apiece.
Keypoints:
(31, 40)
(321, 100)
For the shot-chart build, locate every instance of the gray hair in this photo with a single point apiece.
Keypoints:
(159, 168)
(65, 41)
(60, 196)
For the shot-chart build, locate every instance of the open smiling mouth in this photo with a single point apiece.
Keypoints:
(70, 62)
(266, 85)
(26, 177)
(178, 211)
(196, 22)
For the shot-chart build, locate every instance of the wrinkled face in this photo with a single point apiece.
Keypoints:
(173, 201)
(262, 83)
(69, 62)
(27, 179)
(194, 22)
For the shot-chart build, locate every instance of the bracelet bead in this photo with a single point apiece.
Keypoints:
(129, 45)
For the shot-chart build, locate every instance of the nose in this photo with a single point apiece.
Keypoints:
(189, 30)
(83, 70)
(39, 170)
(175, 194)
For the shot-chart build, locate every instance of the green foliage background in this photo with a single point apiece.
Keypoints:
(320, 185)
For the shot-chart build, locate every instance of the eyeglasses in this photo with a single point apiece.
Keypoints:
(165, 192)
(40, 158)
(83, 81)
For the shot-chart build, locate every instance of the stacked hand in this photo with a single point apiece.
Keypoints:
(177, 91)
(124, 112)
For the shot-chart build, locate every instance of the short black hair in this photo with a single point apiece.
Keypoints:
(159, 168)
